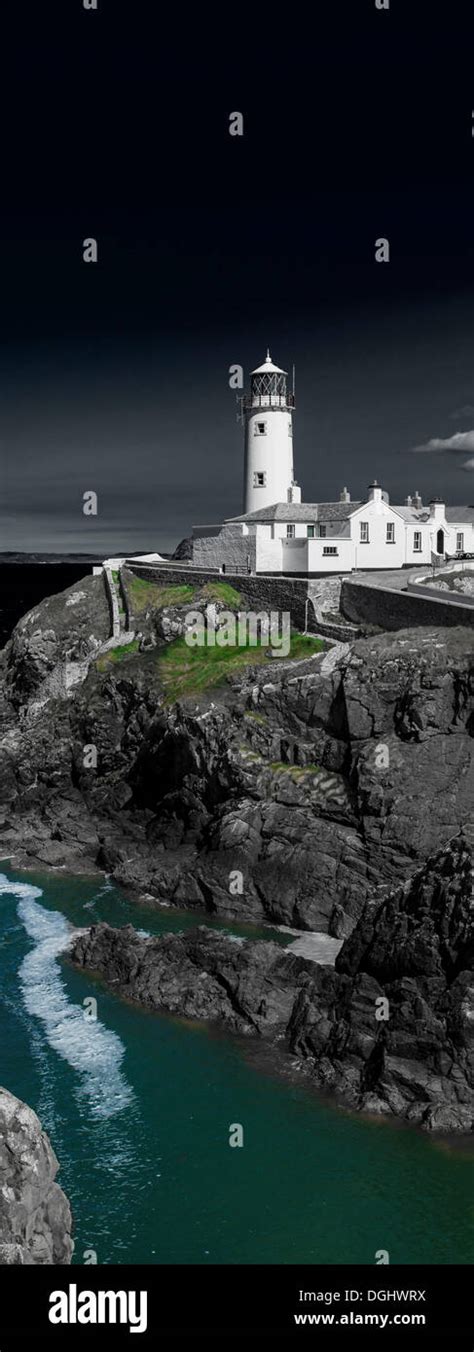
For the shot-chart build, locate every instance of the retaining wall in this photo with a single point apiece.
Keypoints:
(451, 598)
(265, 593)
(391, 609)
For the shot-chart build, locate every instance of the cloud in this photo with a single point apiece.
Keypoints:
(468, 465)
(456, 445)
(465, 412)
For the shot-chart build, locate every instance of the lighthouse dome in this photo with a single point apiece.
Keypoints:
(268, 368)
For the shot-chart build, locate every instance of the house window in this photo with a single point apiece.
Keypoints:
(417, 540)
(322, 532)
(259, 479)
(311, 532)
(364, 532)
(330, 549)
(460, 541)
(390, 532)
(290, 532)
(260, 429)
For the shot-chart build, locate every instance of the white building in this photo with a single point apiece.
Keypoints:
(278, 533)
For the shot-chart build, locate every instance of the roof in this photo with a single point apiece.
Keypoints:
(460, 514)
(326, 512)
(301, 511)
(268, 368)
(411, 513)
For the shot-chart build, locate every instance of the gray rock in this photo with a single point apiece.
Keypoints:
(35, 1217)
(388, 1030)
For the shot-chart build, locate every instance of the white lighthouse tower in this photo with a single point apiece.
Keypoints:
(267, 411)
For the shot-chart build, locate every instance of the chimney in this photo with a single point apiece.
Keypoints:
(408, 501)
(374, 492)
(437, 509)
(417, 500)
(294, 493)
(344, 496)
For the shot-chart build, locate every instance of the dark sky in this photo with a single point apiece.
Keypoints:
(114, 377)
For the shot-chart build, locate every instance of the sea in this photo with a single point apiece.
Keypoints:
(141, 1108)
(26, 579)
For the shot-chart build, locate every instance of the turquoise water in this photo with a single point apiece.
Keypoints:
(138, 1107)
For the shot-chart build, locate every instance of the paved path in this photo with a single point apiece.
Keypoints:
(310, 944)
(396, 580)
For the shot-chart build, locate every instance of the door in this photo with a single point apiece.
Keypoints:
(440, 542)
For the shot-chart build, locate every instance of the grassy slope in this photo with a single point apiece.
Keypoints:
(188, 671)
(146, 595)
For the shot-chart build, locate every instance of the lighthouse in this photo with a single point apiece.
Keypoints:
(268, 422)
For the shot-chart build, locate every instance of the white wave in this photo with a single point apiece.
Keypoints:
(92, 1050)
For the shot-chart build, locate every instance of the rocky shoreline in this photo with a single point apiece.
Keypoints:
(388, 1030)
(35, 1216)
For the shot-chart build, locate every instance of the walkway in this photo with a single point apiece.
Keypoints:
(311, 944)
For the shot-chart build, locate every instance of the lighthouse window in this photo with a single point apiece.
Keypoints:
(259, 479)
(330, 549)
(261, 429)
(311, 532)
(322, 532)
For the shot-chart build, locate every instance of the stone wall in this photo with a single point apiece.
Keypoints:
(262, 593)
(363, 604)
(230, 546)
(453, 598)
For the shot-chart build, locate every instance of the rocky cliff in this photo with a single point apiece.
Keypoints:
(290, 792)
(389, 1031)
(35, 1217)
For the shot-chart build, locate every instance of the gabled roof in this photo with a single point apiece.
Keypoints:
(301, 511)
(325, 512)
(415, 514)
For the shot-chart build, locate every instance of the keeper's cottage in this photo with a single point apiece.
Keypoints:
(278, 533)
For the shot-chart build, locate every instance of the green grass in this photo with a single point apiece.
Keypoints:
(297, 771)
(189, 671)
(147, 595)
(222, 591)
(256, 718)
(117, 654)
(304, 645)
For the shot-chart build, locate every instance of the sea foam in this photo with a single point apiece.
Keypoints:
(93, 1051)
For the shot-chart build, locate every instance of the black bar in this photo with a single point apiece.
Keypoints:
(359, 1303)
